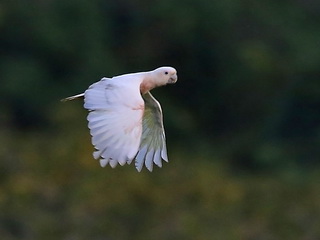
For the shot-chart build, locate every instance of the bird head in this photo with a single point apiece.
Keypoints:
(166, 75)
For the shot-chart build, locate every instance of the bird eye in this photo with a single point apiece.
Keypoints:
(166, 73)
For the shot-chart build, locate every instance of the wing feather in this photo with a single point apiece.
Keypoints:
(115, 119)
(153, 143)
(140, 157)
(149, 160)
(157, 158)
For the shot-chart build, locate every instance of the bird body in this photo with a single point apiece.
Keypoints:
(125, 120)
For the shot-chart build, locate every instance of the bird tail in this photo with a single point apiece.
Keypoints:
(81, 95)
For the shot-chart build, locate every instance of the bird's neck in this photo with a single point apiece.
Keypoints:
(147, 83)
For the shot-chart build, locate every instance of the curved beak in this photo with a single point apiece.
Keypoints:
(173, 79)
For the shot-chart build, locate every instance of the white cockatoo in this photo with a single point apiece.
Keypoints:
(125, 120)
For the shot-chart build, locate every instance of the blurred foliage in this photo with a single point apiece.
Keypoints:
(242, 122)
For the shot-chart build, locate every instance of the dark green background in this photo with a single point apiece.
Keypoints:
(242, 122)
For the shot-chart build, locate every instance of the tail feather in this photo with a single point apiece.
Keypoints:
(81, 95)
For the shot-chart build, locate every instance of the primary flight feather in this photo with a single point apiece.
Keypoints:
(125, 120)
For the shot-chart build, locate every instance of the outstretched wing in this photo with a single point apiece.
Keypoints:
(115, 119)
(153, 142)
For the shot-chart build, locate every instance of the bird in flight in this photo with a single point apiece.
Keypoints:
(125, 120)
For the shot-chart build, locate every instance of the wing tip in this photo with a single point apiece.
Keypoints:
(103, 162)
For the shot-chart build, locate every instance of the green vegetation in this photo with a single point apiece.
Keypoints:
(242, 122)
